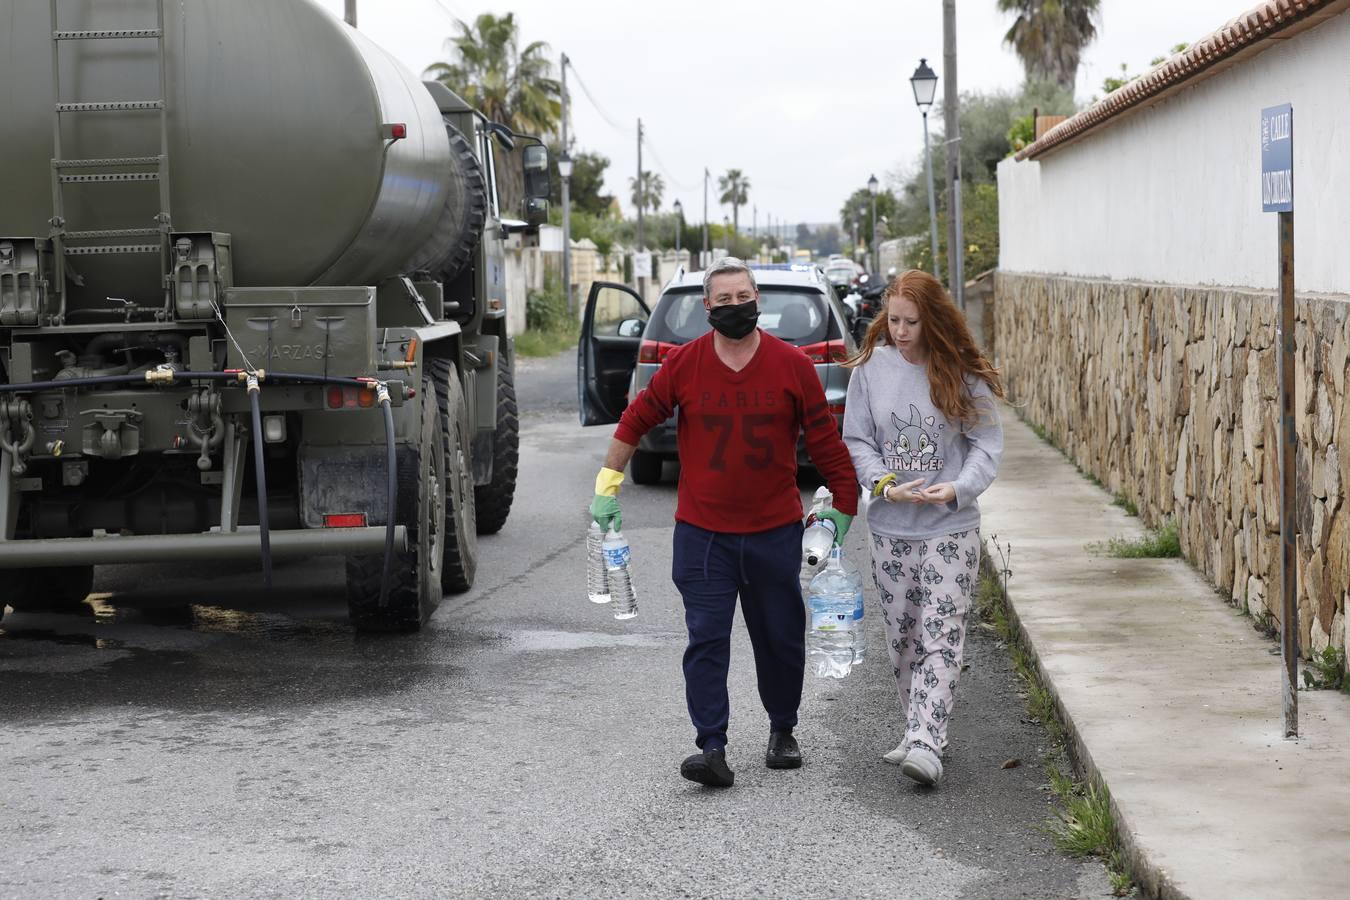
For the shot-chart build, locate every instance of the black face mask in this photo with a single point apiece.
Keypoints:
(734, 320)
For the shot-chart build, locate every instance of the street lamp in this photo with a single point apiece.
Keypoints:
(924, 81)
(679, 225)
(565, 172)
(873, 186)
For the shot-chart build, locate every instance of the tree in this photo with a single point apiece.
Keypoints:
(588, 182)
(507, 84)
(735, 188)
(647, 195)
(1049, 36)
(858, 208)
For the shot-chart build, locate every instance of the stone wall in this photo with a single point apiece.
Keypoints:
(1170, 396)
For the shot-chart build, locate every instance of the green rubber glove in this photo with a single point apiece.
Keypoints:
(605, 512)
(841, 522)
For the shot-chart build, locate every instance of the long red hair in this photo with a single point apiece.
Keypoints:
(952, 353)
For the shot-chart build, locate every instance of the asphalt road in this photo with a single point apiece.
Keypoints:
(190, 736)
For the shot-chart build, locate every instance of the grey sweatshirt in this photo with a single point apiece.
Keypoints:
(891, 425)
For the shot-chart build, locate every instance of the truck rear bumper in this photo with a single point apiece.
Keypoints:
(145, 548)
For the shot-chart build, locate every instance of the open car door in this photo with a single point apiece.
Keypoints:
(607, 352)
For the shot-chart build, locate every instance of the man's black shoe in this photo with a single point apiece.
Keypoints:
(783, 752)
(708, 768)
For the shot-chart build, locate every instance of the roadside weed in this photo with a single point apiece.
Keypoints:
(1084, 826)
(1126, 504)
(1159, 543)
(1325, 671)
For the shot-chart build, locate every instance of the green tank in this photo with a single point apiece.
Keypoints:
(240, 244)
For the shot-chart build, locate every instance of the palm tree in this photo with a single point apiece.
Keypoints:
(507, 84)
(648, 195)
(735, 188)
(1049, 36)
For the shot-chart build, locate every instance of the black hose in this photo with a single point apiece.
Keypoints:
(392, 491)
(261, 476)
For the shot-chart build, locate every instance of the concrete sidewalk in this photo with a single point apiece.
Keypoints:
(1172, 698)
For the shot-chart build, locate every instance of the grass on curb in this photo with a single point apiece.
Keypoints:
(1085, 825)
(549, 328)
(1160, 543)
(1326, 672)
(544, 343)
(1126, 504)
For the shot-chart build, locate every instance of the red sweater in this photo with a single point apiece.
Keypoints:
(737, 434)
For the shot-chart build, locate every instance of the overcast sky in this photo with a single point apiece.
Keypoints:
(808, 99)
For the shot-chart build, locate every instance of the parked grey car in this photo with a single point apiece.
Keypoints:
(623, 344)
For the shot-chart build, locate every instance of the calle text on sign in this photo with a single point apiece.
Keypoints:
(1277, 158)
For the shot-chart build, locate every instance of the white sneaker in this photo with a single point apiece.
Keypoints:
(923, 765)
(897, 756)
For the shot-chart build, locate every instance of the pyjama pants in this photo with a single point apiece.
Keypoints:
(926, 588)
(710, 569)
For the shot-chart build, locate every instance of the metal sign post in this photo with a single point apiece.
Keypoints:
(1277, 196)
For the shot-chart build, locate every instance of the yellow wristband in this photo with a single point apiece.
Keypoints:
(608, 481)
(879, 489)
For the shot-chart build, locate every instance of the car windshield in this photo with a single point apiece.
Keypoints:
(797, 316)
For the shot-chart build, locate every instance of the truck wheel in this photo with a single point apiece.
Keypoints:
(415, 577)
(494, 498)
(646, 467)
(46, 590)
(461, 529)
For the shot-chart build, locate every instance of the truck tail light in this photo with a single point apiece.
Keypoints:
(825, 352)
(654, 351)
(341, 397)
(345, 520)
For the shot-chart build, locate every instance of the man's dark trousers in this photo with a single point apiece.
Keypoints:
(710, 570)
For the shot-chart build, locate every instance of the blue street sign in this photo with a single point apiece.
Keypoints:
(1277, 158)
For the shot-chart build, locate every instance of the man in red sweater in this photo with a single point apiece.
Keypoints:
(743, 397)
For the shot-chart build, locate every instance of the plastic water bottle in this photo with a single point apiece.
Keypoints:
(619, 575)
(834, 602)
(597, 580)
(818, 536)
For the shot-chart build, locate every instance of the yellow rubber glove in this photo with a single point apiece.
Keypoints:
(605, 507)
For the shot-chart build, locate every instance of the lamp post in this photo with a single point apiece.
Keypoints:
(679, 226)
(873, 186)
(565, 172)
(924, 81)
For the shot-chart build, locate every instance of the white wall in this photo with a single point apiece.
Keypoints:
(1171, 193)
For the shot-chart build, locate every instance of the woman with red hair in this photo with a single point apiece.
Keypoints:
(925, 437)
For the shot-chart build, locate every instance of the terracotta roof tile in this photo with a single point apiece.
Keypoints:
(1242, 34)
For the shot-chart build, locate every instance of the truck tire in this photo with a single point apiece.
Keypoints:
(461, 222)
(46, 590)
(460, 561)
(415, 577)
(646, 467)
(495, 497)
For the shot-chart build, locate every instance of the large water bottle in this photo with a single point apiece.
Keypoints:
(834, 605)
(619, 574)
(597, 580)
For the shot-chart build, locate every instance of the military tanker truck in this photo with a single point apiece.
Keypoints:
(252, 303)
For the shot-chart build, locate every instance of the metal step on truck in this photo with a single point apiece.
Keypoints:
(252, 303)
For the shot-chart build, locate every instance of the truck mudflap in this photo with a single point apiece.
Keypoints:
(242, 544)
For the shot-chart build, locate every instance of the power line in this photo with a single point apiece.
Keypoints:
(661, 164)
(591, 97)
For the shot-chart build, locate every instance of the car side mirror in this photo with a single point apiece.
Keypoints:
(631, 328)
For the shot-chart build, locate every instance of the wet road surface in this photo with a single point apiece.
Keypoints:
(190, 736)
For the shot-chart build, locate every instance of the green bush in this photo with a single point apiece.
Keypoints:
(546, 310)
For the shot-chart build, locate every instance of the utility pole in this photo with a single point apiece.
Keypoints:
(566, 192)
(703, 260)
(951, 115)
(351, 13)
(641, 199)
